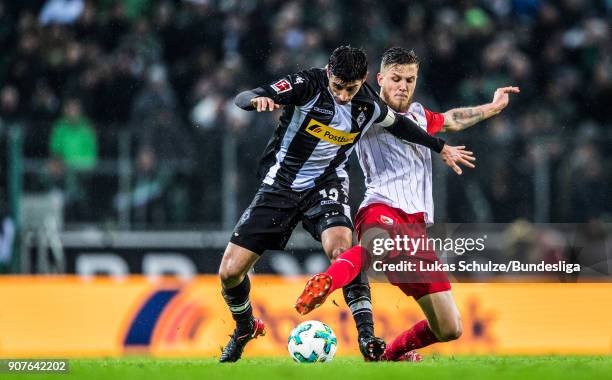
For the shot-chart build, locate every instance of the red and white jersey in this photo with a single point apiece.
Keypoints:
(399, 174)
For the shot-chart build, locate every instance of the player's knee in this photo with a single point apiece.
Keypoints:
(336, 246)
(451, 331)
(336, 240)
(337, 251)
(230, 275)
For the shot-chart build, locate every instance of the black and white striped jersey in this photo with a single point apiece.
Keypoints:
(315, 136)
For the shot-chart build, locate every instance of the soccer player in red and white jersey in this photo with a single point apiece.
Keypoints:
(398, 201)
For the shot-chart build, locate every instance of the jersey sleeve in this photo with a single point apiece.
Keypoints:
(384, 110)
(435, 121)
(294, 89)
(381, 105)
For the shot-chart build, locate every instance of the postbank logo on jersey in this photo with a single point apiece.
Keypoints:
(327, 133)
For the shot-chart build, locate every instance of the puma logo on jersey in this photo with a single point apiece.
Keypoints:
(327, 133)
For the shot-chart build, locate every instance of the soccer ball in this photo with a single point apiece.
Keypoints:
(312, 341)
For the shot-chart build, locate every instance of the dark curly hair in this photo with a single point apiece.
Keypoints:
(398, 56)
(348, 63)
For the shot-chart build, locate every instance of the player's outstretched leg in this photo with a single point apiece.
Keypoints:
(341, 272)
(443, 324)
(358, 297)
(420, 335)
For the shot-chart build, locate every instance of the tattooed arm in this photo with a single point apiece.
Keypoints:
(458, 119)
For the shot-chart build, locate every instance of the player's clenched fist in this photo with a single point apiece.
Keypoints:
(263, 103)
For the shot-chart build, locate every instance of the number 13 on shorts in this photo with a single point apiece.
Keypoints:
(331, 194)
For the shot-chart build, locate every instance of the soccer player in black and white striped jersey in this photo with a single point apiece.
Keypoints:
(398, 201)
(304, 178)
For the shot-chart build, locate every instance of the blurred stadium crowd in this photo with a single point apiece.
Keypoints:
(93, 83)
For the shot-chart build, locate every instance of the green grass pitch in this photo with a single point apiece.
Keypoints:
(433, 367)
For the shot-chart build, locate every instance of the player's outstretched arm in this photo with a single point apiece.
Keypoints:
(458, 119)
(294, 89)
(255, 99)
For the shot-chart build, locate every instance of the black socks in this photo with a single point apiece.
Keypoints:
(237, 299)
(359, 299)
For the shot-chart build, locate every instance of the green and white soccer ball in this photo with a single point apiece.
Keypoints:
(312, 341)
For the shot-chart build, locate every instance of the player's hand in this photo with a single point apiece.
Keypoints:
(262, 103)
(501, 97)
(454, 155)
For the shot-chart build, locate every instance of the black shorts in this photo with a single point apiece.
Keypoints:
(273, 214)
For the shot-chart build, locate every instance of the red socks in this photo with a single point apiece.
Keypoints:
(346, 267)
(420, 335)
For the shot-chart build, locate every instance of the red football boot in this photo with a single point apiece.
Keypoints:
(314, 294)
